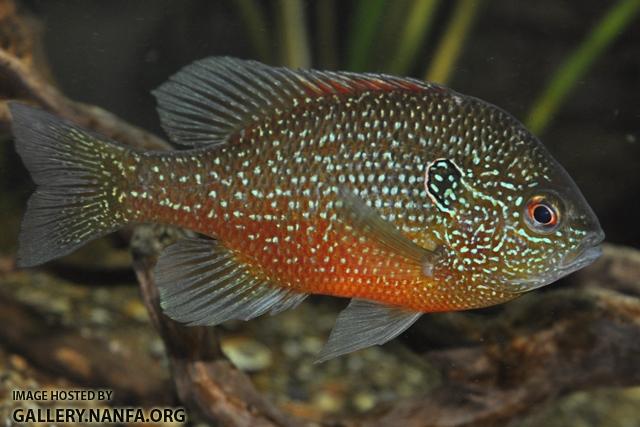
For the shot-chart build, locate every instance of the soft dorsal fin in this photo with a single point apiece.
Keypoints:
(211, 99)
(201, 283)
(364, 324)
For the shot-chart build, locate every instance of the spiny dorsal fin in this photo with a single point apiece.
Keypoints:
(214, 98)
(364, 324)
(201, 283)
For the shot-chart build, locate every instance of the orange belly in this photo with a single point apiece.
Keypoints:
(317, 256)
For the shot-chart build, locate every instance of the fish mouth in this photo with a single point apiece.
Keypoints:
(584, 258)
(588, 251)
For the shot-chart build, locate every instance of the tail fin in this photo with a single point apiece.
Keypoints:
(76, 196)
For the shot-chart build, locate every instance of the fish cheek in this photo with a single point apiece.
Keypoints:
(458, 216)
(526, 254)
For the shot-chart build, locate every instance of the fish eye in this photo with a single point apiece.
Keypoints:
(542, 216)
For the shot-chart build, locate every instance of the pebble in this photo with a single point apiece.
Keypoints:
(247, 354)
(364, 401)
(17, 362)
(100, 316)
(136, 310)
(328, 402)
(156, 348)
(312, 345)
(292, 349)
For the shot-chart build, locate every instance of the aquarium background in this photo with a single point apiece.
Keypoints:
(513, 53)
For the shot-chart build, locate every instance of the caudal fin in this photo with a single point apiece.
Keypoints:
(76, 199)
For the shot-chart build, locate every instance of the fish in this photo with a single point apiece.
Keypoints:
(402, 195)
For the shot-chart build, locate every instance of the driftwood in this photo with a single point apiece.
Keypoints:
(86, 361)
(20, 65)
(495, 367)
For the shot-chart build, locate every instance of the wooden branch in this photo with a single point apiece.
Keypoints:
(205, 379)
(31, 88)
(21, 78)
(86, 361)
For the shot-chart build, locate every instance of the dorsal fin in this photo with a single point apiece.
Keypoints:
(211, 99)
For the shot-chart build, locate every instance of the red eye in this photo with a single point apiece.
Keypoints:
(541, 213)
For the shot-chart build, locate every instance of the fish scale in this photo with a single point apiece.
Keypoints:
(273, 202)
(405, 196)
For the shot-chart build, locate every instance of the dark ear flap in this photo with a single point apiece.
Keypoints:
(442, 183)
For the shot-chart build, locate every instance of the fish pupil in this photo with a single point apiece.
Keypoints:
(542, 214)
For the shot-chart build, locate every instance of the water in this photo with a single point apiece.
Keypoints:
(112, 54)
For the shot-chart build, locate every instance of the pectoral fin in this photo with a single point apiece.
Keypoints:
(364, 324)
(366, 221)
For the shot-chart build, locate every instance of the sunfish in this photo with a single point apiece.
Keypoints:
(402, 195)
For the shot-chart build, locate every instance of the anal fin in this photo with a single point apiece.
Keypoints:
(364, 324)
(202, 283)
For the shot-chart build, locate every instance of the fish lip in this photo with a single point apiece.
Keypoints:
(584, 258)
(587, 253)
(589, 250)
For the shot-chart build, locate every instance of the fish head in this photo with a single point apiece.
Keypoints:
(508, 216)
(555, 233)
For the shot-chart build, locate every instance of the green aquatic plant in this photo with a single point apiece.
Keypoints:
(257, 29)
(578, 63)
(326, 43)
(452, 41)
(397, 30)
(293, 34)
(418, 22)
(366, 19)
